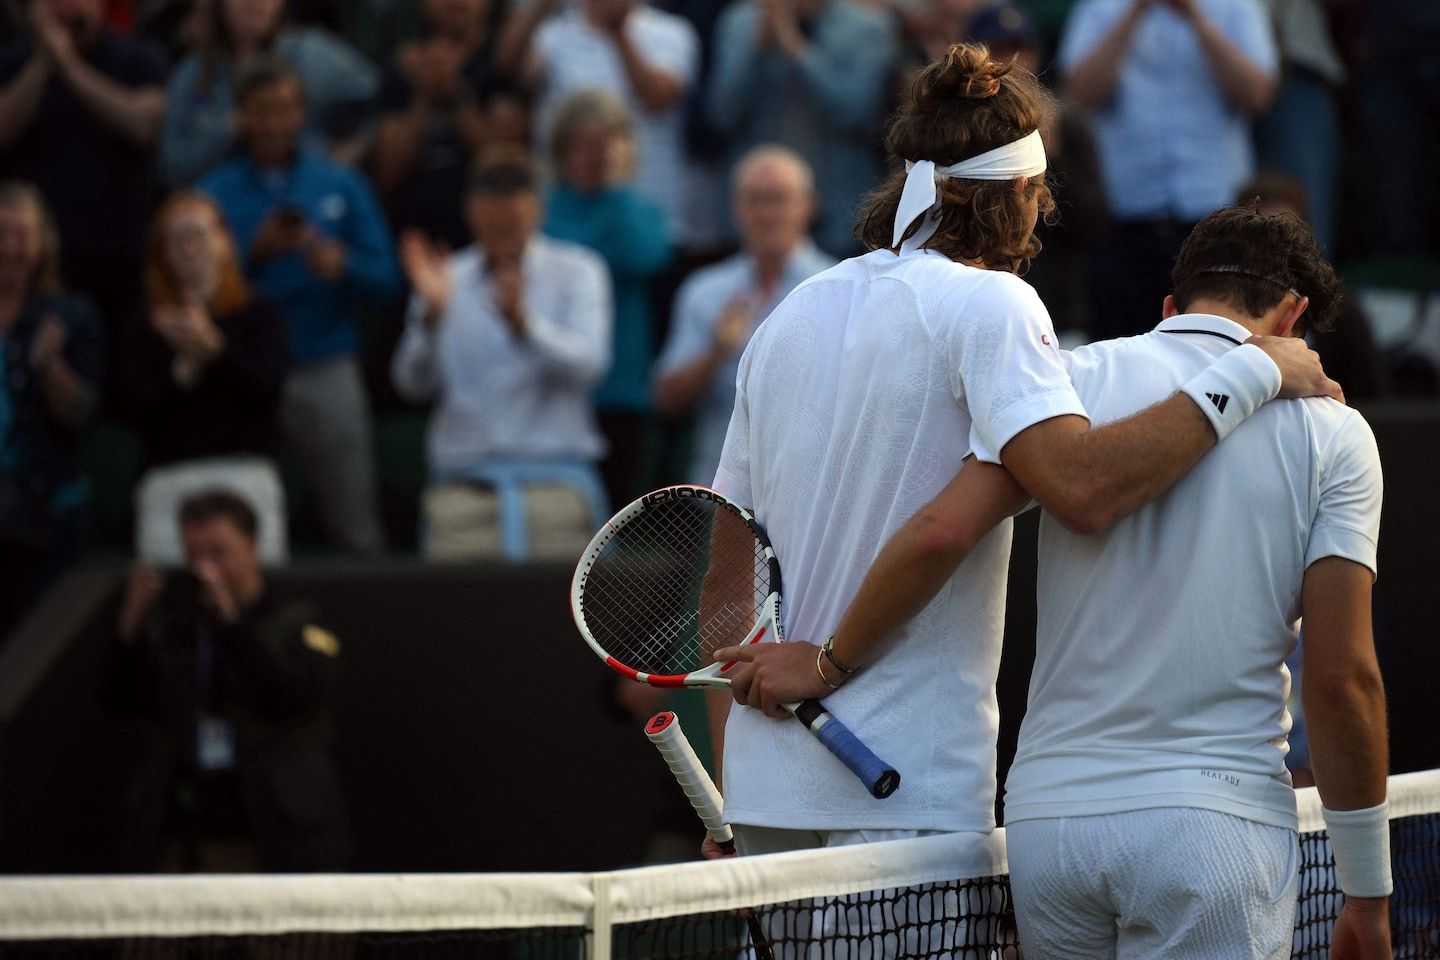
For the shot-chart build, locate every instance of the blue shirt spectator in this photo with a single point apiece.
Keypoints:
(315, 243)
(812, 75)
(336, 204)
(1173, 136)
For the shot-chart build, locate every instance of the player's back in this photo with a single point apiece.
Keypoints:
(853, 411)
(1160, 647)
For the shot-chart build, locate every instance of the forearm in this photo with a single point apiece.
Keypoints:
(1092, 81)
(656, 90)
(1089, 478)
(20, 99)
(922, 556)
(397, 145)
(135, 114)
(68, 398)
(514, 44)
(414, 370)
(1341, 688)
(1246, 87)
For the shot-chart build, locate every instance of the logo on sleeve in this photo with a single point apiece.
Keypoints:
(1219, 399)
(1045, 339)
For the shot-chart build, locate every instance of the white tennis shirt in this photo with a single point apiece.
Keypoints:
(1159, 673)
(857, 400)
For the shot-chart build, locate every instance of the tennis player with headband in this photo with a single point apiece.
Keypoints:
(857, 400)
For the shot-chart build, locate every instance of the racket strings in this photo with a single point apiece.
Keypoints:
(673, 584)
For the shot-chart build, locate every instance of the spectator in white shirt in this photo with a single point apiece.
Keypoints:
(719, 307)
(509, 336)
(647, 57)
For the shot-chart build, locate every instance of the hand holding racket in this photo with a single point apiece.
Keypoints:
(679, 574)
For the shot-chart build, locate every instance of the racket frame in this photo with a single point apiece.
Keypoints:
(879, 777)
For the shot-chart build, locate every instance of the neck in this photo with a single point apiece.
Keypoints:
(770, 267)
(1259, 326)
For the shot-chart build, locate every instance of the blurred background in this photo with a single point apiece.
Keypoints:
(331, 331)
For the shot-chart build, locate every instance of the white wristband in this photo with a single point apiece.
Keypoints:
(1360, 840)
(1233, 387)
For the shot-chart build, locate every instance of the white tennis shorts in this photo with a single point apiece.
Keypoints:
(1172, 882)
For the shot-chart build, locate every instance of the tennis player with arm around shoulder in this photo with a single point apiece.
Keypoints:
(1149, 811)
(856, 401)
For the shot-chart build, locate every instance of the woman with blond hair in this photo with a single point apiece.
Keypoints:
(50, 349)
(201, 376)
(593, 156)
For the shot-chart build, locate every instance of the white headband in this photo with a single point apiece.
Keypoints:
(1022, 158)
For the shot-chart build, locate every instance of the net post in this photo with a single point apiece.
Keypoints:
(601, 936)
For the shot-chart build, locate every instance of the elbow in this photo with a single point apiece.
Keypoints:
(938, 537)
(1261, 97)
(1348, 689)
(1085, 509)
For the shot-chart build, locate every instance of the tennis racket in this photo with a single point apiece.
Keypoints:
(664, 731)
(677, 575)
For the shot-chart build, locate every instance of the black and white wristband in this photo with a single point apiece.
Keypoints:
(1360, 840)
(1233, 387)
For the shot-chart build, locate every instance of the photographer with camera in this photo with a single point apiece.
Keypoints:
(233, 687)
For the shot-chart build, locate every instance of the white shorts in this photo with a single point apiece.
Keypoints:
(1172, 882)
(926, 921)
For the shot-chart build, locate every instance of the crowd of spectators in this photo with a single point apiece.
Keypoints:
(217, 215)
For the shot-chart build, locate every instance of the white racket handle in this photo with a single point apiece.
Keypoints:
(664, 731)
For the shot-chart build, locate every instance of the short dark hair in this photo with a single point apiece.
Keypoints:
(1252, 260)
(220, 505)
(264, 72)
(503, 171)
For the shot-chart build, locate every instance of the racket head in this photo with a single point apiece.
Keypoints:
(672, 577)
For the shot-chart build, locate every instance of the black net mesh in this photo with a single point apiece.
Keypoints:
(962, 919)
(965, 919)
(1414, 907)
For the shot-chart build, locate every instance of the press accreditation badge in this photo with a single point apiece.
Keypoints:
(215, 744)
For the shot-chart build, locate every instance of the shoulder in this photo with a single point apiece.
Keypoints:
(225, 177)
(567, 255)
(738, 16)
(660, 23)
(716, 282)
(859, 16)
(1339, 429)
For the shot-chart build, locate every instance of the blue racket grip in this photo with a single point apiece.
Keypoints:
(879, 777)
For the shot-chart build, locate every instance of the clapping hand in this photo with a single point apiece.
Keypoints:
(49, 343)
(427, 267)
(507, 286)
(189, 330)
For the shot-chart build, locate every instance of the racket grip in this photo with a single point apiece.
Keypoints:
(879, 777)
(664, 731)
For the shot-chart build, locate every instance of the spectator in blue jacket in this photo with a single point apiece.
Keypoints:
(317, 244)
(593, 204)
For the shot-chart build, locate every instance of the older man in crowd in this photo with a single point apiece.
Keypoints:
(719, 307)
(509, 336)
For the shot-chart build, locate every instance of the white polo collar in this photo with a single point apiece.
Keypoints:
(1208, 324)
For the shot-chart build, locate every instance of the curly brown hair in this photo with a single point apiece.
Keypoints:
(958, 107)
(1252, 261)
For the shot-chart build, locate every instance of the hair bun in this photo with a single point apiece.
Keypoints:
(965, 72)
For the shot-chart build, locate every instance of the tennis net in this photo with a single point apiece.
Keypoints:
(936, 897)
